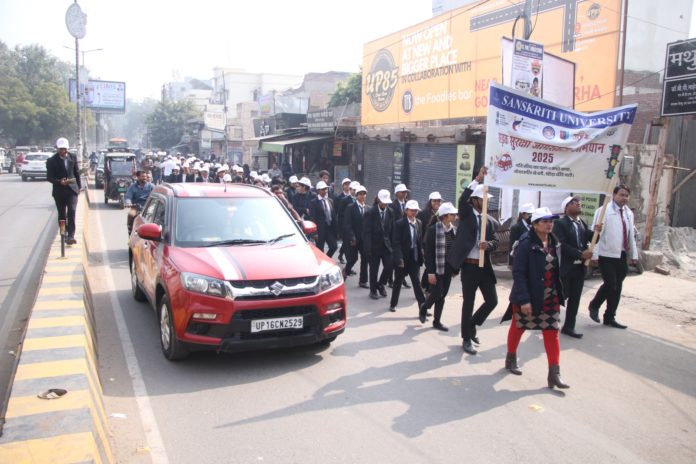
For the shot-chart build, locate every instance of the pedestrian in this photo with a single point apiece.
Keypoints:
(175, 176)
(467, 248)
(521, 227)
(302, 198)
(426, 215)
(323, 213)
(351, 233)
(399, 209)
(63, 172)
(275, 171)
(221, 173)
(377, 232)
(291, 188)
(615, 248)
(407, 253)
(277, 190)
(340, 207)
(203, 175)
(438, 245)
(537, 294)
(325, 176)
(187, 175)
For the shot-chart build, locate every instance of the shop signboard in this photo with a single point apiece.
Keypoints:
(679, 86)
(442, 68)
(466, 155)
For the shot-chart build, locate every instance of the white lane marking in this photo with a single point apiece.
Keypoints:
(147, 415)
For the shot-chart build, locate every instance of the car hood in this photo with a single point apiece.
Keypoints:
(257, 262)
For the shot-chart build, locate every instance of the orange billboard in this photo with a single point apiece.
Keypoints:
(442, 68)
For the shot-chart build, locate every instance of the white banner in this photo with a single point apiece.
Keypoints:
(534, 144)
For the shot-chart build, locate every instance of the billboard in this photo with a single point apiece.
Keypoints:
(103, 96)
(442, 67)
(679, 86)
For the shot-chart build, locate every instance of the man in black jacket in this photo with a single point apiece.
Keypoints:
(521, 227)
(323, 213)
(407, 254)
(377, 231)
(341, 201)
(302, 198)
(467, 246)
(63, 172)
(574, 236)
(352, 234)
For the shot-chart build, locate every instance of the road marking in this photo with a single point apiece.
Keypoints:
(147, 415)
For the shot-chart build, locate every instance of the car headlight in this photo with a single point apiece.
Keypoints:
(206, 285)
(331, 278)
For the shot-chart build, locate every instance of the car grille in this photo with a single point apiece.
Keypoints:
(238, 327)
(274, 288)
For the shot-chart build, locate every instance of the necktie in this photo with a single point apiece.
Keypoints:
(625, 232)
(577, 226)
(413, 242)
(381, 213)
(361, 209)
(478, 231)
(327, 211)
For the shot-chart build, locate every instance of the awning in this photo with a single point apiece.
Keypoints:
(278, 146)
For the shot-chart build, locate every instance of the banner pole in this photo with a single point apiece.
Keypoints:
(484, 223)
(607, 200)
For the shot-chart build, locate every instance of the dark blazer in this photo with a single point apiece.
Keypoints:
(189, 177)
(397, 210)
(317, 214)
(301, 201)
(342, 201)
(564, 230)
(516, 231)
(466, 235)
(425, 216)
(352, 224)
(377, 237)
(528, 272)
(430, 251)
(55, 171)
(174, 178)
(401, 242)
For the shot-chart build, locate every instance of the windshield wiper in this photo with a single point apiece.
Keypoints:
(280, 237)
(236, 241)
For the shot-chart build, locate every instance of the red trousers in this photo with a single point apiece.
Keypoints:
(551, 342)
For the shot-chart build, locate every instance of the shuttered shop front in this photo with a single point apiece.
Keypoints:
(379, 167)
(432, 168)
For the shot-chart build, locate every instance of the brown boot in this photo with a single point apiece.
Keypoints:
(555, 379)
(511, 364)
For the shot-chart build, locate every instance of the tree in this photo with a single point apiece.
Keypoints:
(348, 91)
(167, 123)
(34, 105)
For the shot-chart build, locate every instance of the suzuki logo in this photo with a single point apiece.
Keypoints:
(277, 288)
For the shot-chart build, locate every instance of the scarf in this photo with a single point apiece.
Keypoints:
(440, 248)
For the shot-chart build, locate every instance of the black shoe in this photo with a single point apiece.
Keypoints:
(382, 291)
(474, 338)
(594, 314)
(374, 296)
(554, 378)
(571, 333)
(341, 260)
(615, 324)
(405, 284)
(440, 326)
(392, 309)
(421, 313)
(511, 364)
(70, 241)
(468, 347)
(390, 284)
(363, 285)
(352, 273)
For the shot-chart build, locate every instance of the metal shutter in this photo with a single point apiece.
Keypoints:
(432, 167)
(378, 169)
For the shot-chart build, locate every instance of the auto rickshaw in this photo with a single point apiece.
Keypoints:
(119, 169)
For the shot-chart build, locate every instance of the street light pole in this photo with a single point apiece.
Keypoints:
(78, 142)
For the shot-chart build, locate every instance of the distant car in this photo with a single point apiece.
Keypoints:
(227, 268)
(35, 165)
(20, 153)
(99, 174)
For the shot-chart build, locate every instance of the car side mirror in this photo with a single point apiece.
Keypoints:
(309, 228)
(150, 232)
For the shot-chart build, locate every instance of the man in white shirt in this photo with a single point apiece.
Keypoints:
(615, 248)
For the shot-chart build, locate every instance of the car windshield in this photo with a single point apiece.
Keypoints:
(233, 222)
(121, 168)
(36, 157)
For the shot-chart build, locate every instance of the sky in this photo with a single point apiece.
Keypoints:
(147, 43)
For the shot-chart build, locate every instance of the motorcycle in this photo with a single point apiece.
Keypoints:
(133, 211)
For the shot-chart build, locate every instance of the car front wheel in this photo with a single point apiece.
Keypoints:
(172, 348)
(138, 294)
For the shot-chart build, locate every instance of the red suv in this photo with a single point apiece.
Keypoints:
(227, 268)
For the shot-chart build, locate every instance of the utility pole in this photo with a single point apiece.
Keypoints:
(75, 21)
(224, 111)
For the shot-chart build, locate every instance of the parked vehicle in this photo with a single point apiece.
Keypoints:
(227, 268)
(119, 169)
(20, 153)
(99, 174)
(35, 165)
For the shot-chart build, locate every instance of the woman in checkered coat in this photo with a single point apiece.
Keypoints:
(537, 293)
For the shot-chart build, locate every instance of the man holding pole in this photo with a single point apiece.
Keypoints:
(475, 236)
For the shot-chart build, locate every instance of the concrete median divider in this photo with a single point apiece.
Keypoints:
(59, 354)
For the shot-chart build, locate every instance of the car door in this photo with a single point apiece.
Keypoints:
(154, 249)
(146, 276)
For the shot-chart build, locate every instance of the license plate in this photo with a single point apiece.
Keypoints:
(282, 323)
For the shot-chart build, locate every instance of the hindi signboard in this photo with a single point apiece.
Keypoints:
(527, 66)
(679, 86)
(534, 144)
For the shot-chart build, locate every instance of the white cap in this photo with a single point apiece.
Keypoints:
(305, 181)
(223, 168)
(446, 208)
(412, 204)
(383, 196)
(266, 178)
(253, 174)
(543, 213)
(354, 185)
(186, 164)
(478, 192)
(527, 208)
(360, 188)
(205, 168)
(321, 185)
(345, 180)
(227, 178)
(62, 143)
(293, 179)
(176, 167)
(401, 188)
(435, 196)
(565, 202)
